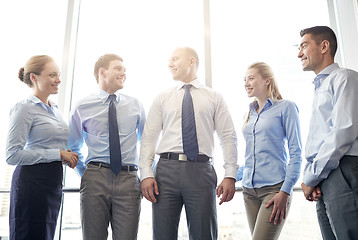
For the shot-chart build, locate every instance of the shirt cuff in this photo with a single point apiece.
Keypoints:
(286, 188)
(231, 172)
(53, 155)
(80, 170)
(310, 180)
(146, 173)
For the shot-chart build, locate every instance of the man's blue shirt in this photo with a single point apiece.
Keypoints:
(89, 123)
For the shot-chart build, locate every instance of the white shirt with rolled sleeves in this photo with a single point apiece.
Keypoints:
(211, 114)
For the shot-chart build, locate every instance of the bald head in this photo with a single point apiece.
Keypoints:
(183, 64)
(190, 53)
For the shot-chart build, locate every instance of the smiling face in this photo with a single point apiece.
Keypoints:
(182, 66)
(48, 81)
(112, 79)
(256, 85)
(310, 54)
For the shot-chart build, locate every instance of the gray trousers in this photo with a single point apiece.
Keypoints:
(192, 184)
(337, 210)
(106, 197)
(258, 215)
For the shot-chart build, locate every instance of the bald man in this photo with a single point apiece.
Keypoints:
(187, 117)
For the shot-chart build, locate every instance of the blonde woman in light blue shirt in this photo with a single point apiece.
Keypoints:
(272, 124)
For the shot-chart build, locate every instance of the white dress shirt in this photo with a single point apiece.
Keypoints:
(211, 114)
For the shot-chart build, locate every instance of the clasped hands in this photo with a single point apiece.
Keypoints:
(69, 157)
(311, 193)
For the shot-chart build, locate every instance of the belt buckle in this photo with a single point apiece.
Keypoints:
(168, 155)
(182, 157)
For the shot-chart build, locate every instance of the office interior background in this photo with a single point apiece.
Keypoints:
(228, 36)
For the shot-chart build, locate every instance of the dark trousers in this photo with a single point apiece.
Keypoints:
(337, 211)
(193, 185)
(35, 200)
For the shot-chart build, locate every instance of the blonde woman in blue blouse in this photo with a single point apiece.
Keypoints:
(272, 124)
(36, 143)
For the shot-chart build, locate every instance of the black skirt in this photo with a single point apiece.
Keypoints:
(35, 200)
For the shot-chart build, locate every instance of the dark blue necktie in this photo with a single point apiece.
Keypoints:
(190, 142)
(114, 144)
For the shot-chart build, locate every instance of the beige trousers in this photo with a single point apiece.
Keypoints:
(258, 215)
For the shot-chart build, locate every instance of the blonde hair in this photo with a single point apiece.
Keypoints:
(265, 71)
(36, 65)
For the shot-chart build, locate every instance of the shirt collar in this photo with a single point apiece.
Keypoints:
(36, 100)
(103, 95)
(324, 74)
(196, 83)
(254, 105)
(329, 69)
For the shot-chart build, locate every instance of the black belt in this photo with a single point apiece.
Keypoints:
(183, 157)
(124, 168)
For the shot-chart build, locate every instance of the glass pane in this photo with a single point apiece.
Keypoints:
(144, 37)
(4, 215)
(268, 33)
(27, 28)
(71, 220)
(244, 32)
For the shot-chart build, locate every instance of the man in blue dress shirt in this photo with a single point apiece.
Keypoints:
(331, 173)
(108, 195)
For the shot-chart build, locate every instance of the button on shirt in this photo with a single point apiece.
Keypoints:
(37, 133)
(267, 134)
(334, 123)
(89, 122)
(211, 114)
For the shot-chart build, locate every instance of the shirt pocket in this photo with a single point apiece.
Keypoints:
(323, 98)
(127, 124)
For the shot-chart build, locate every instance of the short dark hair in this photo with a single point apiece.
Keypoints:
(104, 61)
(321, 33)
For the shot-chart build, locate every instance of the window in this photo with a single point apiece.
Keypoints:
(268, 31)
(144, 33)
(244, 32)
(27, 28)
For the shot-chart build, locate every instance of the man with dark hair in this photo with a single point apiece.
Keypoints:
(320, 33)
(331, 173)
(187, 116)
(111, 123)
